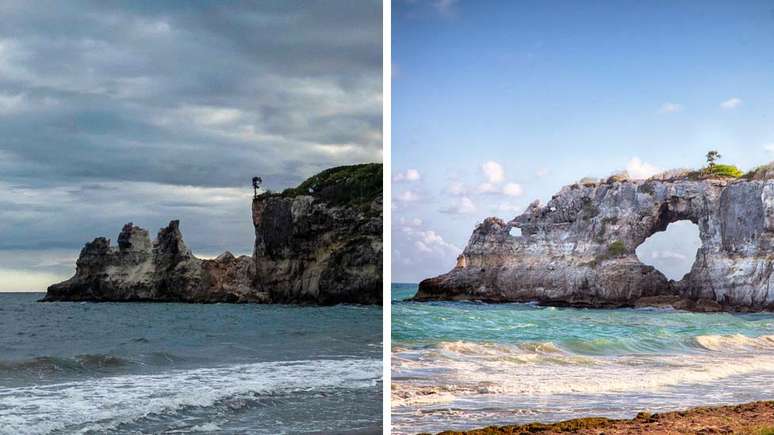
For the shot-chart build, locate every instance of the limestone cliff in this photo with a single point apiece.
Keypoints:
(579, 249)
(165, 270)
(320, 243)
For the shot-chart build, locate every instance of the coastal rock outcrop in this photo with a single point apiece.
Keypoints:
(318, 243)
(165, 270)
(579, 249)
(306, 251)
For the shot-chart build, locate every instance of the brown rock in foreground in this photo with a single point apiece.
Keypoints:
(755, 418)
(579, 249)
(318, 243)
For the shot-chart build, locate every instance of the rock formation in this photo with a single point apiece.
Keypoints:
(579, 249)
(320, 243)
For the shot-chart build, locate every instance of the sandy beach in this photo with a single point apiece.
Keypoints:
(750, 418)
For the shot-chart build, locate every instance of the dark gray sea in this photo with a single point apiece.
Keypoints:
(187, 368)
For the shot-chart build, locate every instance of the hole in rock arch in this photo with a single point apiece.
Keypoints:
(515, 232)
(672, 251)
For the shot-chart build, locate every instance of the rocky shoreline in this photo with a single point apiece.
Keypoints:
(319, 243)
(579, 249)
(755, 418)
(656, 302)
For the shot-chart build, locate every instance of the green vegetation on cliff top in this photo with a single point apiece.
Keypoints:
(717, 170)
(720, 170)
(712, 170)
(353, 186)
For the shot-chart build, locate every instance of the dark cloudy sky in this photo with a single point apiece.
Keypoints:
(147, 111)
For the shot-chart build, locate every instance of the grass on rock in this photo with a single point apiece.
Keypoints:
(352, 186)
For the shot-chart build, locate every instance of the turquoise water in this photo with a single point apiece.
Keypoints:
(467, 364)
(130, 368)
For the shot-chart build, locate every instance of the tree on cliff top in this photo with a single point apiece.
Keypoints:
(717, 170)
(711, 157)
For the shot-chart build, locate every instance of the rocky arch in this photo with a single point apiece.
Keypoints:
(672, 251)
(579, 249)
(671, 210)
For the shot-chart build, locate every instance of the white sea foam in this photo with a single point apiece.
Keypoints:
(103, 403)
(206, 427)
(538, 352)
(471, 348)
(725, 343)
(461, 370)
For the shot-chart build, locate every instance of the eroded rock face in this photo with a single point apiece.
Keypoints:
(579, 249)
(165, 270)
(306, 251)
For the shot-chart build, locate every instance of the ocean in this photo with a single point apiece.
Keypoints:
(461, 365)
(120, 368)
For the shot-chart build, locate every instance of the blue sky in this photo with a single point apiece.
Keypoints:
(498, 103)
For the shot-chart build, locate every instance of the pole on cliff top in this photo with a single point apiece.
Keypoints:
(256, 184)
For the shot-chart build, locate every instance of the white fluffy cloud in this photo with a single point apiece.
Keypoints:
(428, 241)
(463, 206)
(432, 239)
(494, 184)
(639, 170)
(408, 175)
(422, 247)
(456, 188)
(493, 172)
(671, 107)
(413, 222)
(731, 103)
(407, 196)
(419, 251)
(495, 176)
(769, 147)
(668, 255)
(513, 189)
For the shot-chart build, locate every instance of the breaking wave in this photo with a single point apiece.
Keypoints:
(725, 343)
(48, 364)
(102, 404)
(52, 367)
(462, 366)
(449, 371)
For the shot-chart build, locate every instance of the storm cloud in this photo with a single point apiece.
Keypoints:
(151, 111)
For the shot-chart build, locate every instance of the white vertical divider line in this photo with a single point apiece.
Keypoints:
(386, 210)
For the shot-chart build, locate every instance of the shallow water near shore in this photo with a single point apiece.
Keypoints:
(187, 368)
(463, 365)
